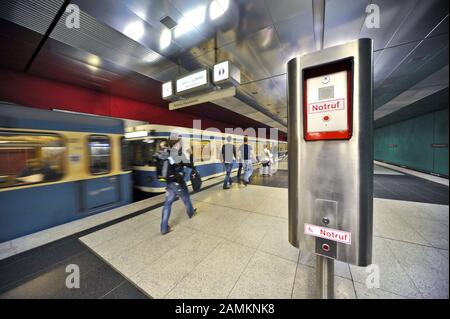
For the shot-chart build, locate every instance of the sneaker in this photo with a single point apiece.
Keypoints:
(226, 187)
(167, 231)
(194, 213)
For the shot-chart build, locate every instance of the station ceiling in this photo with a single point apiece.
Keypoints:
(123, 46)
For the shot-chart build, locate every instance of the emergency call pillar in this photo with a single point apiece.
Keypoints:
(330, 115)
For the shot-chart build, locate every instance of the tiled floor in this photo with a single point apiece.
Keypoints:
(237, 247)
(41, 273)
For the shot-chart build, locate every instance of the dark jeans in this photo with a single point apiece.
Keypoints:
(239, 171)
(172, 191)
(227, 181)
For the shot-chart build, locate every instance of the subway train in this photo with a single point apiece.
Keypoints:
(144, 140)
(56, 167)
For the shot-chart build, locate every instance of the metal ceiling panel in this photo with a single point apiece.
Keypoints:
(32, 14)
(435, 82)
(108, 16)
(387, 60)
(296, 35)
(101, 40)
(425, 56)
(430, 56)
(441, 28)
(392, 14)
(343, 20)
(287, 9)
(253, 16)
(267, 50)
(425, 16)
(17, 45)
(242, 55)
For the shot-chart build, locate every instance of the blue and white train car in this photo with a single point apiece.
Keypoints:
(205, 146)
(56, 167)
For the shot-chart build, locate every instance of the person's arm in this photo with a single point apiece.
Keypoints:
(222, 154)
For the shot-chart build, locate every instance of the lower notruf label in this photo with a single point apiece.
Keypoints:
(329, 233)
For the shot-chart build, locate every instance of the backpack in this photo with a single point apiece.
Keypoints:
(161, 160)
(196, 180)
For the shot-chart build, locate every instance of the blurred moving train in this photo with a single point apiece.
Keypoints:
(205, 147)
(56, 167)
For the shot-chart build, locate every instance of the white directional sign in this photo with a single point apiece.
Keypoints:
(221, 71)
(191, 81)
(226, 74)
(167, 89)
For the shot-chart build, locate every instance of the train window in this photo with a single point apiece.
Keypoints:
(201, 150)
(99, 154)
(206, 150)
(142, 151)
(125, 154)
(28, 158)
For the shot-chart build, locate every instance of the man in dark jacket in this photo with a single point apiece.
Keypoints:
(228, 158)
(176, 185)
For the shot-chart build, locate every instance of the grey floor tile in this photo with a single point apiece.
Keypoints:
(362, 292)
(388, 224)
(216, 275)
(428, 268)
(392, 276)
(266, 276)
(161, 276)
(276, 242)
(434, 232)
(137, 258)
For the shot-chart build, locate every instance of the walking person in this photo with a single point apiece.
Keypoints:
(246, 155)
(267, 161)
(228, 158)
(175, 161)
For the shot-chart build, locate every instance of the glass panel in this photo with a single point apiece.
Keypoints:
(142, 151)
(206, 150)
(100, 154)
(28, 158)
(126, 149)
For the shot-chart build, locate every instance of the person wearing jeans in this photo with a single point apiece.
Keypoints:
(173, 190)
(176, 185)
(228, 157)
(246, 156)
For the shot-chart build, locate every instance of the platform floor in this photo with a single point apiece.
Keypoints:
(236, 247)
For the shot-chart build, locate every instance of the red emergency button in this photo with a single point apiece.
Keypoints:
(326, 118)
(326, 247)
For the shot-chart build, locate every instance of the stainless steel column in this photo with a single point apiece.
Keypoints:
(324, 277)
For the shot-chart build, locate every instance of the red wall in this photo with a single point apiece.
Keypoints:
(28, 90)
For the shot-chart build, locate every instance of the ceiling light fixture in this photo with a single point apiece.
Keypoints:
(218, 8)
(135, 30)
(165, 39)
(192, 18)
(93, 60)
